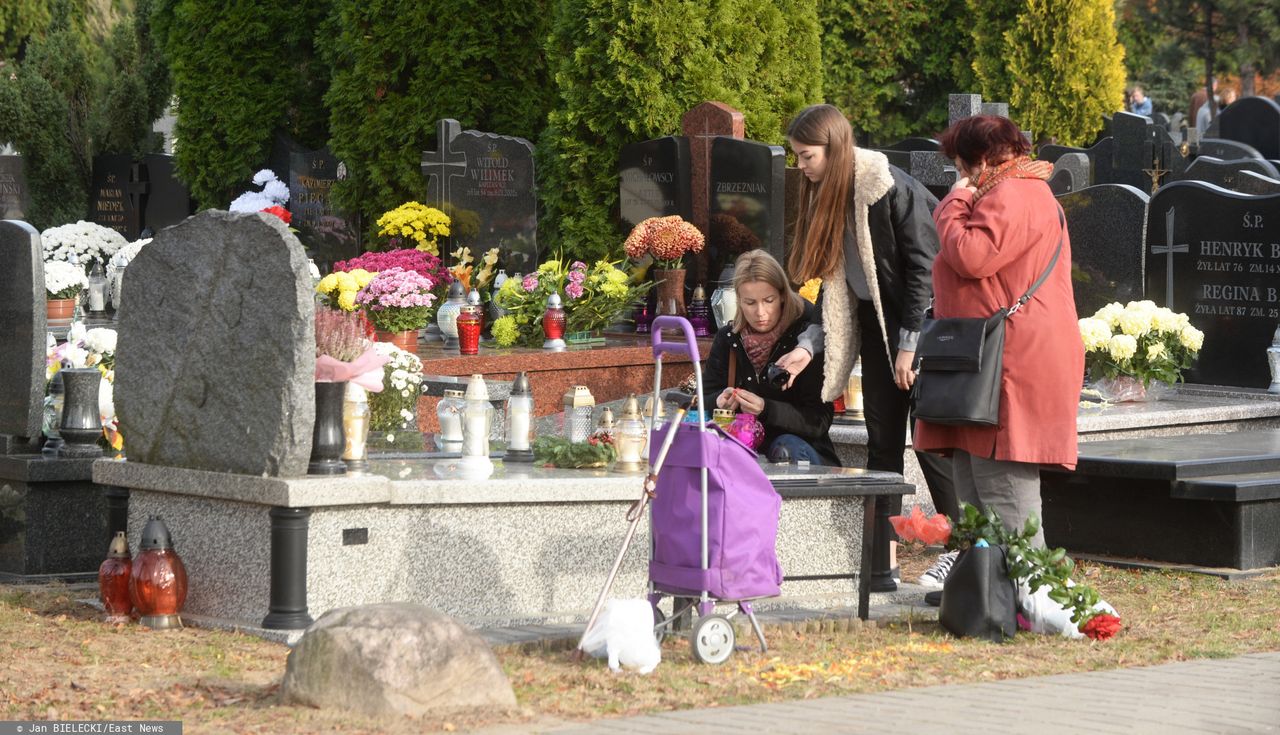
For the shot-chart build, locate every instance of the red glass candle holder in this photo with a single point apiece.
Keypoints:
(158, 582)
(470, 325)
(553, 324)
(113, 581)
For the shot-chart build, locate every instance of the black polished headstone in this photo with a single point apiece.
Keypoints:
(1255, 121)
(1250, 183)
(1227, 150)
(1161, 119)
(915, 144)
(1107, 224)
(115, 200)
(485, 183)
(15, 197)
(1077, 164)
(168, 200)
(328, 234)
(745, 199)
(22, 329)
(1214, 255)
(1226, 173)
(654, 180)
(1132, 153)
(1052, 152)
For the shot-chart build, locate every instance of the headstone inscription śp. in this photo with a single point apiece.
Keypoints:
(1227, 173)
(1227, 150)
(327, 233)
(1254, 121)
(653, 180)
(216, 350)
(485, 183)
(1107, 223)
(15, 197)
(746, 200)
(1214, 255)
(116, 197)
(22, 330)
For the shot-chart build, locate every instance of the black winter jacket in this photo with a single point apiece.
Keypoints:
(798, 410)
(905, 244)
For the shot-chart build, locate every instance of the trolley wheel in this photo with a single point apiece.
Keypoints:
(712, 639)
(659, 624)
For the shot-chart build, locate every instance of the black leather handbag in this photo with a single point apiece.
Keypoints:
(978, 598)
(960, 361)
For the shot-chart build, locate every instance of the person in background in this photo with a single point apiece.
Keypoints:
(1000, 228)
(771, 317)
(1208, 112)
(864, 228)
(1139, 103)
(1198, 98)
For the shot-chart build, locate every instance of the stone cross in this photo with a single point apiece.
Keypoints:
(445, 164)
(1167, 250)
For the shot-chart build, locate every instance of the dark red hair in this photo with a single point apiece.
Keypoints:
(989, 138)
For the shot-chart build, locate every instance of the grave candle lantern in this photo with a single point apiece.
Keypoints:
(447, 315)
(700, 313)
(449, 412)
(158, 581)
(553, 320)
(468, 325)
(113, 580)
(579, 405)
(607, 427)
(520, 420)
(477, 417)
(631, 437)
(724, 304)
(355, 429)
(97, 293)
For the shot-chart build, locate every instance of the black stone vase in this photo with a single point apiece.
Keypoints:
(81, 423)
(327, 438)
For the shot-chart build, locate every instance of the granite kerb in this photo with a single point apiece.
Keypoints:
(39, 468)
(287, 492)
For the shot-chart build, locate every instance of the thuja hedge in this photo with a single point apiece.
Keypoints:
(241, 70)
(628, 71)
(398, 66)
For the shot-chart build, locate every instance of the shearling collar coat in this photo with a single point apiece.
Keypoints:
(896, 243)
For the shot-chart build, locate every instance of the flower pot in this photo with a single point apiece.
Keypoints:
(327, 438)
(406, 340)
(1128, 389)
(60, 311)
(670, 291)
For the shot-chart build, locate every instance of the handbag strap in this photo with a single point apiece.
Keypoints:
(733, 367)
(1062, 221)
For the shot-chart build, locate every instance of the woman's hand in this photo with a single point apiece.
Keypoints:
(794, 362)
(749, 402)
(903, 375)
(964, 183)
(726, 397)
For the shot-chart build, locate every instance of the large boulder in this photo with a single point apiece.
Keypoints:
(393, 658)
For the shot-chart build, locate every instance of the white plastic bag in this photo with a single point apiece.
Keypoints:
(624, 633)
(1046, 616)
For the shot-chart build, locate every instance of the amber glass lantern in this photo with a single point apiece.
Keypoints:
(113, 580)
(158, 582)
(630, 437)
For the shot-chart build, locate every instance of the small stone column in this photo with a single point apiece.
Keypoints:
(288, 606)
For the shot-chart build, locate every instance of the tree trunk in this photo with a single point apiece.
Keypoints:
(1247, 72)
(1209, 64)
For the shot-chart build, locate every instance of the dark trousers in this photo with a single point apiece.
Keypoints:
(887, 411)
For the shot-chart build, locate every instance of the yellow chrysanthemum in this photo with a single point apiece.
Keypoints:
(347, 300)
(1164, 320)
(810, 290)
(1122, 347)
(1191, 338)
(328, 283)
(1094, 333)
(1110, 314)
(1135, 322)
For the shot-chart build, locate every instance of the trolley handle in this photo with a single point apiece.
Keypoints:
(667, 321)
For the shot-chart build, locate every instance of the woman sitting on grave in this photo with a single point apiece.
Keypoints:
(740, 374)
(1000, 230)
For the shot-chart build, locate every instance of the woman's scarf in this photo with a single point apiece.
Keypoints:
(1021, 167)
(759, 345)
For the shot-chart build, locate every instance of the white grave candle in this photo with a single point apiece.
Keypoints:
(519, 430)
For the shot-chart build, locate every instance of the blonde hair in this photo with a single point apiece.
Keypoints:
(759, 265)
(818, 247)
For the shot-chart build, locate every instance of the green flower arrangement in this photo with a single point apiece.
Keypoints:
(593, 297)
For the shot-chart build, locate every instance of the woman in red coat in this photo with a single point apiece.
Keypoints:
(999, 228)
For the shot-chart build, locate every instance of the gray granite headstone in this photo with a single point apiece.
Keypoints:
(654, 180)
(934, 170)
(485, 183)
(1077, 164)
(1051, 152)
(1227, 150)
(216, 354)
(995, 108)
(1226, 173)
(1061, 181)
(15, 196)
(1255, 121)
(1107, 224)
(960, 106)
(1250, 183)
(1214, 255)
(22, 329)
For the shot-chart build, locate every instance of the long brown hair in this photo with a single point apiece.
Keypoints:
(818, 247)
(759, 265)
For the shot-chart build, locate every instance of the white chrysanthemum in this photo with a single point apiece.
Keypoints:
(1122, 347)
(1135, 322)
(1109, 314)
(1164, 320)
(263, 176)
(125, 255)
(106, 401)
(74, 355)
(1155, 351)
(251, 201)
(101, 340)
(1144, 305)
(277, 192)
(1191, 338)
(60, 275)
(81, 242)
(1095, 334)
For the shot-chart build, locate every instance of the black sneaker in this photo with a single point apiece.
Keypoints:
(933, 599)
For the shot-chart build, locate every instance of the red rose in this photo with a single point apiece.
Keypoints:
(280, 212)
(1102, 626)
